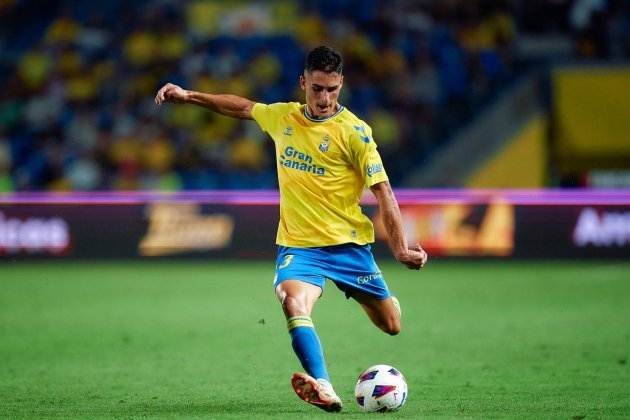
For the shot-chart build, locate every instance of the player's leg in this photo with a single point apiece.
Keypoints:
(354, 270)
(297, 299)
(384, 313)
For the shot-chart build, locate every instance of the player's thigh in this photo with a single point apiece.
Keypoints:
(297, 297)
(382, 312)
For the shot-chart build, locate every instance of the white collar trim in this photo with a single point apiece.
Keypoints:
(311, 118)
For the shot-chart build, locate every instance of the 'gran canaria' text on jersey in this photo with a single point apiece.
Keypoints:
(294, 159)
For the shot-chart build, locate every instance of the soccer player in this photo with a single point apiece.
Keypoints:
(326, 156)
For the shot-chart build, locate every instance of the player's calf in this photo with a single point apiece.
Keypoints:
(384, 313)
(392, 324)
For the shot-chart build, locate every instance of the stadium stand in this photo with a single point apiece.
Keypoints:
(77, 111)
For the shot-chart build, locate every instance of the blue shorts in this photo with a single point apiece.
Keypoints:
(350, 266)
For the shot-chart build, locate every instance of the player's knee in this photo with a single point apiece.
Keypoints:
(393, 329)
(294, 307)
(392, 326)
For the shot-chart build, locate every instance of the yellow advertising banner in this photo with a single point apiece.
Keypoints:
(458, 229)
(591, 113)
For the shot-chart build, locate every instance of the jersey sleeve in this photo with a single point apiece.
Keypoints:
(268, 116)
(365, 156)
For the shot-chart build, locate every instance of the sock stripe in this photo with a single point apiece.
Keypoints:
(295, 324)
(300, 317)
(299, 321)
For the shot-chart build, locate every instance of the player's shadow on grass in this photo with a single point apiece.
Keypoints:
(208, 409)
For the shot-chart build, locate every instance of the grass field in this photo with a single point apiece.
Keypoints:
(208, 340)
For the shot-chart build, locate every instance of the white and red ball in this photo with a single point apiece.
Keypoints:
(381, 388)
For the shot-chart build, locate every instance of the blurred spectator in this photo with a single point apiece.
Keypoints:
(34, 68)
(84, 173)
(6, 183)
(588, 21)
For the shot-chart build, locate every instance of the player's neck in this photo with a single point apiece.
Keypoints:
(309, 113)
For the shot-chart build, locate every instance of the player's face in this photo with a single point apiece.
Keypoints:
(322, 91)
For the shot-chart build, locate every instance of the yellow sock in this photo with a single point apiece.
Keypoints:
(299, 321)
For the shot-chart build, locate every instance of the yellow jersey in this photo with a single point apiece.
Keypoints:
(323, 167)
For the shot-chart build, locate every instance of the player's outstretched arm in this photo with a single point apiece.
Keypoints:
(413, 257)
(225, 104)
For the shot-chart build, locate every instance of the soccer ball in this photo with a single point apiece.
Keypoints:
(381, 388)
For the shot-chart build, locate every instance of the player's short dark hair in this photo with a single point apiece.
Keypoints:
(324, 59)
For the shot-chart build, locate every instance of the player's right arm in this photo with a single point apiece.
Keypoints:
(414, 257)
(224, 104)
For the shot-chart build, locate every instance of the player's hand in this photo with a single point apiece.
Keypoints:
(171, 93)
(415, 258)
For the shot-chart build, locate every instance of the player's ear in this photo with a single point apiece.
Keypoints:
(302, 82)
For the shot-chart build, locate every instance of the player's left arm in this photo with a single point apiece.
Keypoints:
(413, 257)
(225, 104)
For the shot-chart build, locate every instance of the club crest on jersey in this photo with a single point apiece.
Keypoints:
(325, 144)
(288, 131)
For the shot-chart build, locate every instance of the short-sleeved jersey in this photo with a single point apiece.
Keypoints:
(323, 167)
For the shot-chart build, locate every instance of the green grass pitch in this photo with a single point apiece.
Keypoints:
(208, 340)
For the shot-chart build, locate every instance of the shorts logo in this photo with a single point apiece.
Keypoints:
(369, 277)
(287, 260)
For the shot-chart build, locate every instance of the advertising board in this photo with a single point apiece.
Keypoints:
(242, 224)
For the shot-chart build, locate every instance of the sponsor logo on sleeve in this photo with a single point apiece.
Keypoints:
(374, 168)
